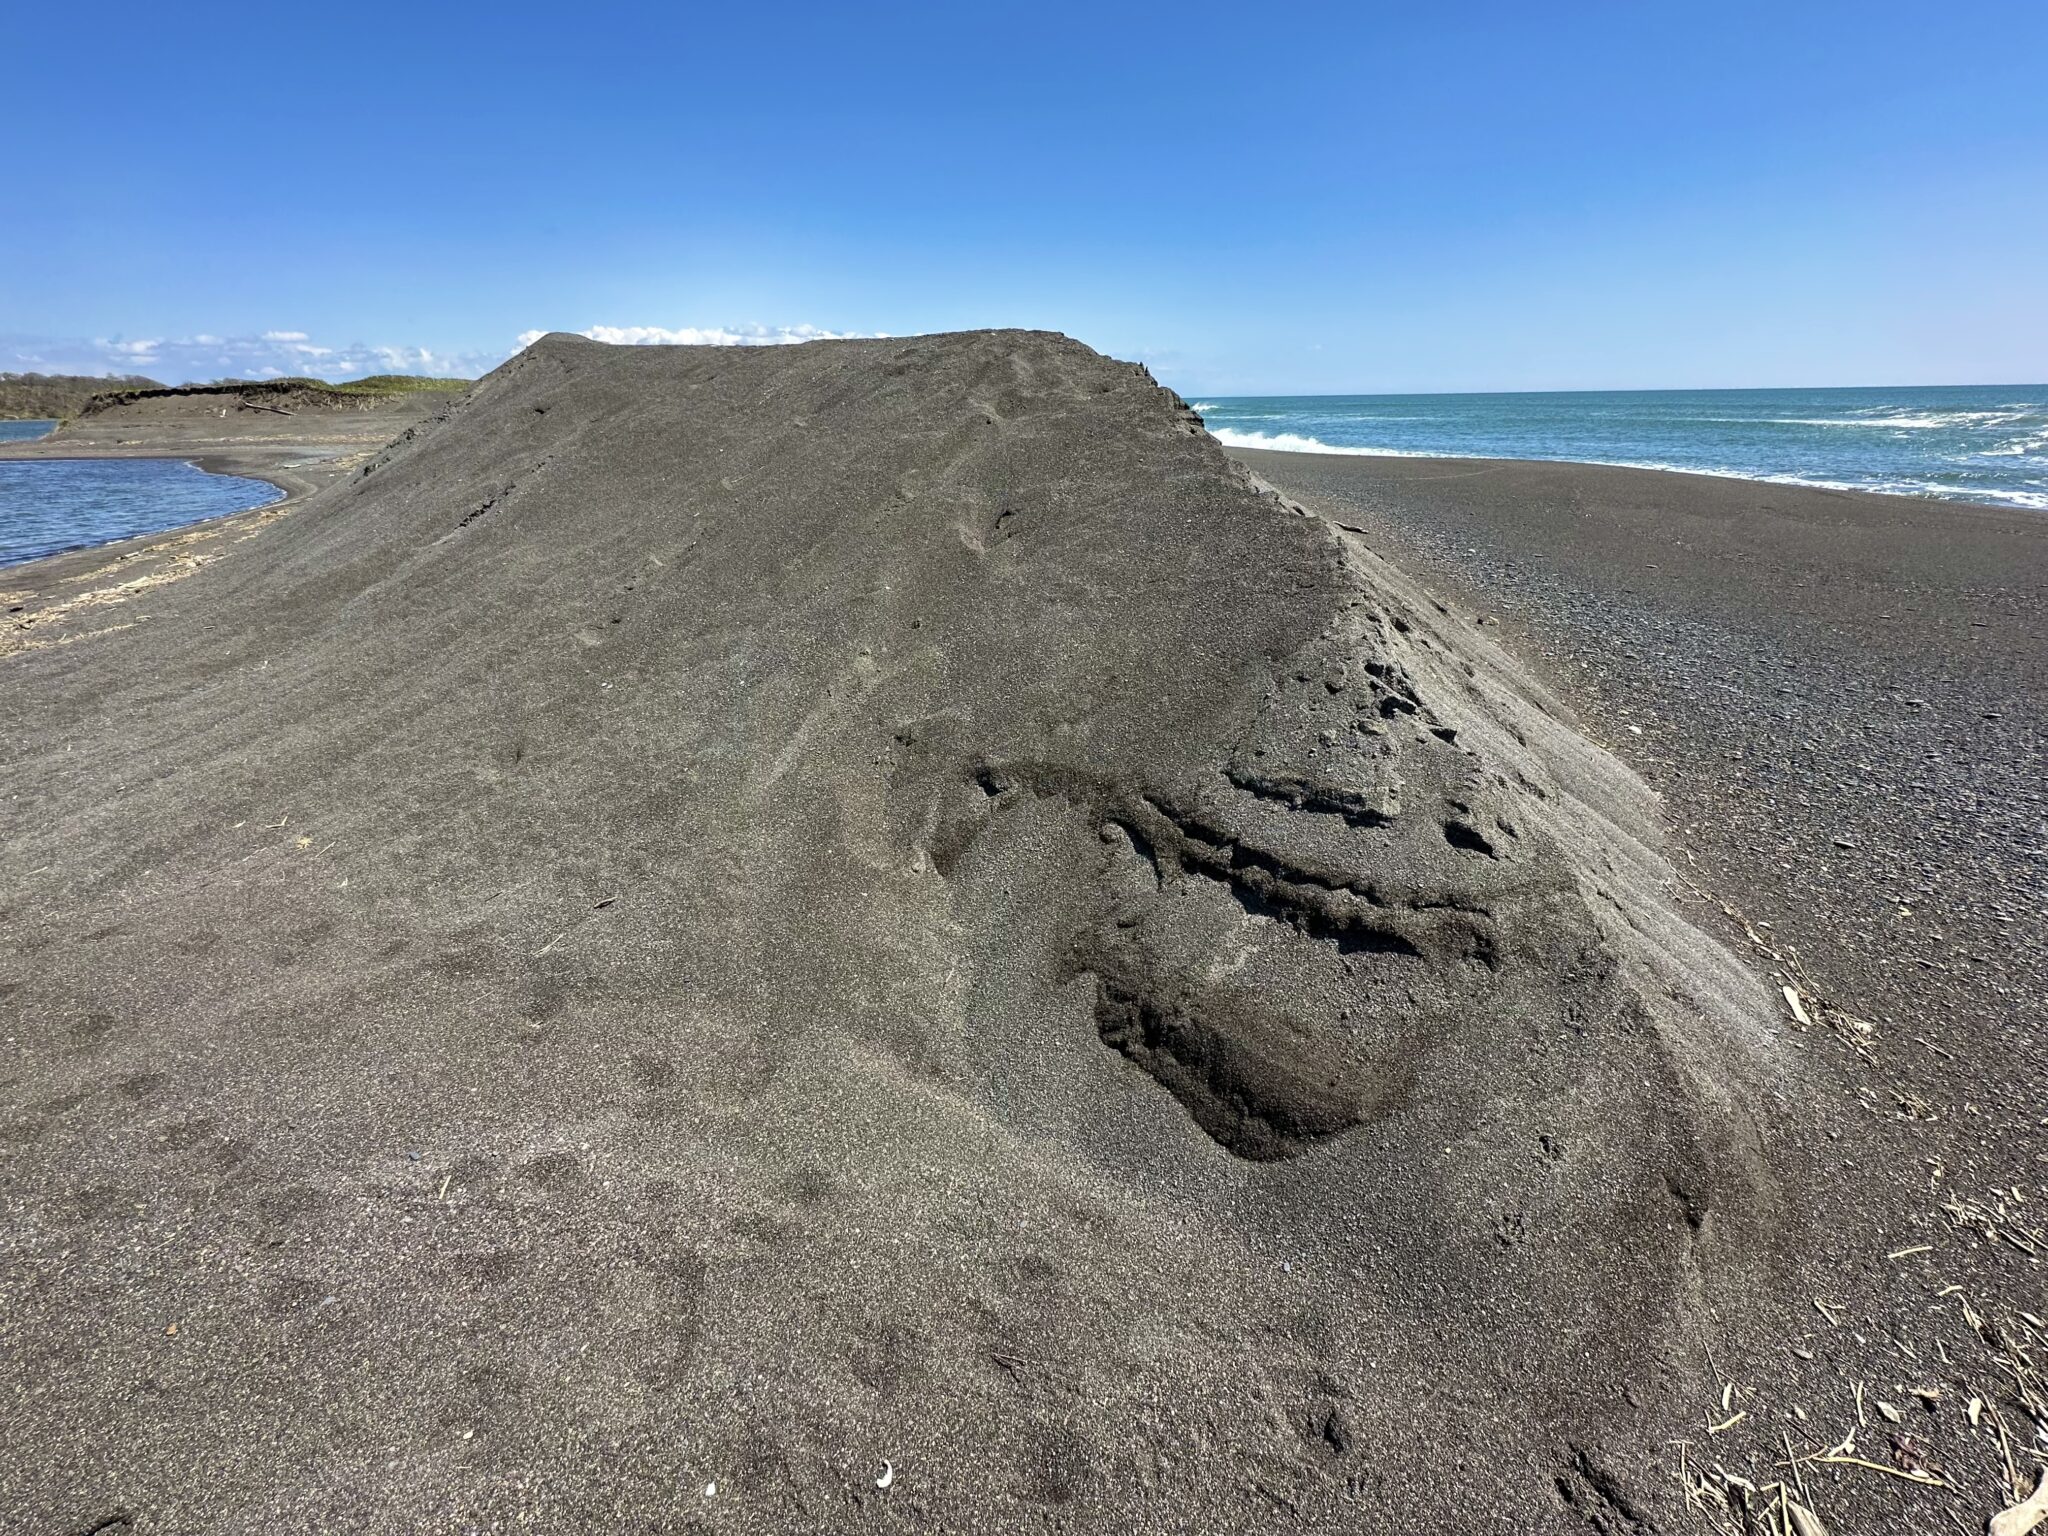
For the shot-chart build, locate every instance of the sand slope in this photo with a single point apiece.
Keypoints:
(733, 916)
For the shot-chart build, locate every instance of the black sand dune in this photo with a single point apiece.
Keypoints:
(720, 928)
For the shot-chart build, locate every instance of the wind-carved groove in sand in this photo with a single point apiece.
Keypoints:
(494, 499)
(1255, 1103)
(1299, 794)
(1265, 885)
(1263, 1084)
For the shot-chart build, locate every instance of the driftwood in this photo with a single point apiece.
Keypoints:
(275, 410)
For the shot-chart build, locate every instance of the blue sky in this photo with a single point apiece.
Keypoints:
(1250, 199)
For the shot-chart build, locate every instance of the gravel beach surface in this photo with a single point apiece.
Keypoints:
(1843, 697)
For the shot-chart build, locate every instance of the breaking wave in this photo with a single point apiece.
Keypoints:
(1294, 442)
(1980, 443)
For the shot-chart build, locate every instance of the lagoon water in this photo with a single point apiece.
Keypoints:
(51, 505)
(1980, 443)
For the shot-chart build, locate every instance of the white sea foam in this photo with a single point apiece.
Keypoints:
(1294, 442)
(1879, 418)
(2036, 501)
(1880, 422)
(1974, 451)
(2021, 448)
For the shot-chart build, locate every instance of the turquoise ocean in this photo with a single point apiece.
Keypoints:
(1977, 443)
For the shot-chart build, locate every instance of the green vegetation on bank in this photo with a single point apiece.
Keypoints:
(377, 384)
(398, 384)
(55, 396)
(59, 397)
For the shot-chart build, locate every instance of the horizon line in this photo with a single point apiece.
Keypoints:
(1661, 389)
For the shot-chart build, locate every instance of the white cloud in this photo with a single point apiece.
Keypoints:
(205, 355)
(704, 336)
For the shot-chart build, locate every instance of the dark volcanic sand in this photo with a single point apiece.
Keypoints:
(1844, 698)
(719, 920)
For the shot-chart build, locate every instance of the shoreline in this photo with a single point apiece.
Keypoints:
(70, 595)
(285, 496)
(1835, 487)
(232, 465)
(1481, 463)
(290, 488)
(296, 454)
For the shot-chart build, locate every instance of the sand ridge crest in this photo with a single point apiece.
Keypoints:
(724, 914)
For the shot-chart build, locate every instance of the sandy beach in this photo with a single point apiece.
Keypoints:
(1843, 697)
(876, 936)
(1843, 700)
